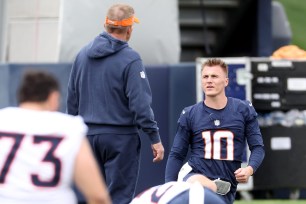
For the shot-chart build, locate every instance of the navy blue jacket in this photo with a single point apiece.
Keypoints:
(109, 88)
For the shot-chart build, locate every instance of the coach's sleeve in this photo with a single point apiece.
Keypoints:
(139, 95)
(72, 100)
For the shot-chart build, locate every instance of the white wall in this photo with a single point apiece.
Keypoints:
(156, 38)
(32, 30)
(55, 30)
(2, 29)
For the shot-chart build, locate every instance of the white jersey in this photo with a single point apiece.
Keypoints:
(167, 192)
(37, 156)
(178, 193)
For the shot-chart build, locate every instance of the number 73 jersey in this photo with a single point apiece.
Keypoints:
(37, 154)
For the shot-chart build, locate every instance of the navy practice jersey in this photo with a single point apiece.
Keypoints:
(178, 193)
(217, 140)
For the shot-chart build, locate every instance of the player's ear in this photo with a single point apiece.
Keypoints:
(226, 81)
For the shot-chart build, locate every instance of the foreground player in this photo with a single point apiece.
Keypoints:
(43, 151)
(197, 190)
(217, 130)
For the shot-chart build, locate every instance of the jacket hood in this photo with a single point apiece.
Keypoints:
(104, 45)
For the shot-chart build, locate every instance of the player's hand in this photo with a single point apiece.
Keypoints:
(243, 174)
(158, 152)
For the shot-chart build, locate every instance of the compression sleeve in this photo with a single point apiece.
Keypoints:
(177, 154)
(255, 142)
(256, 157)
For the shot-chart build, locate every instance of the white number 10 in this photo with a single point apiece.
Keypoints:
(212, 149)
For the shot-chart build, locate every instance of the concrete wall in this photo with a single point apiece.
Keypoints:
(156, 38)
(32, 31)
(3, 28)
(44, 31)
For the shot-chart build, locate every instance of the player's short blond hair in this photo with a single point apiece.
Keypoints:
(215, 62)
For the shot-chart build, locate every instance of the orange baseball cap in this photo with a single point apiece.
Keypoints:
(125, 22)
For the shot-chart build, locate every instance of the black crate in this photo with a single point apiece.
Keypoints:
(270, 84)
(284, 168)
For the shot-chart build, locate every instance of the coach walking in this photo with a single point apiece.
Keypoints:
(109, 88)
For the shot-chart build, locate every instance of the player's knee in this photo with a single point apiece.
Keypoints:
(206, 182)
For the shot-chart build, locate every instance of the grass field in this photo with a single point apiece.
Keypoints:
(272, 202)
(295, 10)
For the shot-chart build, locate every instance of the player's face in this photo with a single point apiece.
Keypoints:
(214, 81)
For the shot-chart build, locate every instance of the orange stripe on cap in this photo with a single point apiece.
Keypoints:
(124, 22)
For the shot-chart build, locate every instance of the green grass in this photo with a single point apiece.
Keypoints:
(272, 202)
(296, 13)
